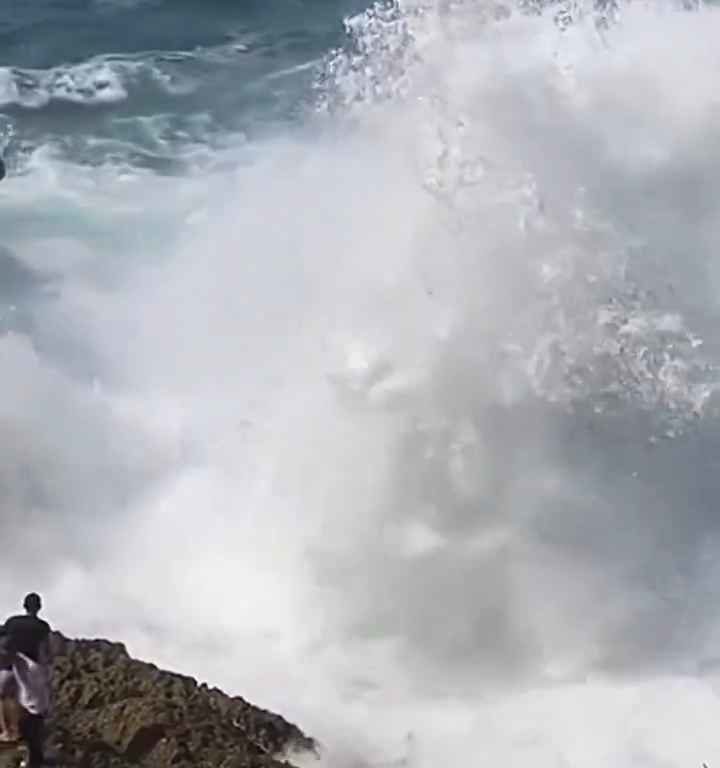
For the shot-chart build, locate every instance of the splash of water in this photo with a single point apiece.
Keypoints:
(415, 410)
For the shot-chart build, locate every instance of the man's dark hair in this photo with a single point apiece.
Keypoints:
(32, 603)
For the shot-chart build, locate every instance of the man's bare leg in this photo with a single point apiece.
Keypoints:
(4, 735)
(9, 721)
(12, 718)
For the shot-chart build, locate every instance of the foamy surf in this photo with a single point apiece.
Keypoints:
(413, 403)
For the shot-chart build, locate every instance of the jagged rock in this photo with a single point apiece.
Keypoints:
(113, 711)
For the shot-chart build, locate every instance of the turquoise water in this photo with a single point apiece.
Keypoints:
(364, 362)
(139, 80)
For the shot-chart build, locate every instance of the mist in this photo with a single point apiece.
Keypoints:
(407, 423)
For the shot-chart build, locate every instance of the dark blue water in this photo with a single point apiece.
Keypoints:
(406, 403)
(139, 80)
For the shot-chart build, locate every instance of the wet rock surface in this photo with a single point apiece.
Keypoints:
(113, 711)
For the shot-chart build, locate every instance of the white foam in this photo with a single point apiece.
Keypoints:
(103, 79)
(328, 444)
(89, 83)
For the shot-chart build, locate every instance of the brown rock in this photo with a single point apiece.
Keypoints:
(112, 711)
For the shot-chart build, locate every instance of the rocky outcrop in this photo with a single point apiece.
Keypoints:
(112, 711)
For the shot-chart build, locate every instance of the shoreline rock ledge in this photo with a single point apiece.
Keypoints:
(113, 711)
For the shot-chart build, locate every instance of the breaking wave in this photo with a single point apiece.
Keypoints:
(403, 419)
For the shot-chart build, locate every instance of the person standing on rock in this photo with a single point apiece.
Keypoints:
(28, 633)
(27, 641)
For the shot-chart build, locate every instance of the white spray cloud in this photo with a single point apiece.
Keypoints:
(410, 424)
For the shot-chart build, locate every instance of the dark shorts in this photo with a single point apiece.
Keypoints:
(7, 683)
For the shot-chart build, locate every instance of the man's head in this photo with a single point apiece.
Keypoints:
(32, 603)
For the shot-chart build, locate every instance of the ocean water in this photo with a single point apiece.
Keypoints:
(363, 361)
